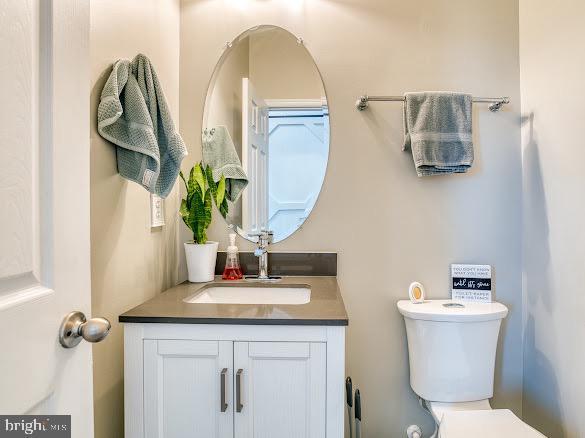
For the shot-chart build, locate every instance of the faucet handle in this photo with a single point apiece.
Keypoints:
(267, 235)
(264, 237)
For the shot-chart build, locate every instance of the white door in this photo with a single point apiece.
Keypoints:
(281, 389)
(187, 389)
(254, 159)
(299, 149)
(44, 205)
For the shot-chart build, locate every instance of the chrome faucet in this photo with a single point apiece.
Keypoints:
(264, 239)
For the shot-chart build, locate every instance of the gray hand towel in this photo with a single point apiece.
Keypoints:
(437, 128)
(133, 114)
(220, 154)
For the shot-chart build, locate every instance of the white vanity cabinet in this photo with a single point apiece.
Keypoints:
(234, 381)
(182, 388)
(282, 388)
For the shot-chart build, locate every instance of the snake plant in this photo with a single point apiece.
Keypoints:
(196, 206)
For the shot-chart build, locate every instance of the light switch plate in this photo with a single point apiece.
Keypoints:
(157, 211)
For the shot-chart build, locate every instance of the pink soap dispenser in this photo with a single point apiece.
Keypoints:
(232, 270)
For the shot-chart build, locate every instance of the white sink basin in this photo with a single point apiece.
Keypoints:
(218, 294)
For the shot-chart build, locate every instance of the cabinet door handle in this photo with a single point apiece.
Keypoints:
(239, 404)
(223, 403)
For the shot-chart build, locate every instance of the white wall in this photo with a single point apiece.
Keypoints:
(552, 60)
(389, 226)
(130, 262)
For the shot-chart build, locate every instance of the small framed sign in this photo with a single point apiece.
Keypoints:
(471, 282)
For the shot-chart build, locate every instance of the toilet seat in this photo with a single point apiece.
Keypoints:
(485, 424)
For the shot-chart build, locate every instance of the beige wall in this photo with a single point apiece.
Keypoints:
(552, 60)
(225, 102)
(281, 69)
(130, 262)
(389, 226)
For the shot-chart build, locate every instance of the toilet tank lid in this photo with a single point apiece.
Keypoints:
(452, 311)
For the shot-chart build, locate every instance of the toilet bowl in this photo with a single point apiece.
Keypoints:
(498, 423)
(452, 351)
(478, 420)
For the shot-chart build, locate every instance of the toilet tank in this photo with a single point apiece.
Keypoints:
(452, 348)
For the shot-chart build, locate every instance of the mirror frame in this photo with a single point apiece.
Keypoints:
(228, 48)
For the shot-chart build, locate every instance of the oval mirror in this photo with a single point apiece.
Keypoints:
(266, 130)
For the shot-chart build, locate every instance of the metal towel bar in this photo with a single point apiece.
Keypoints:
(496, 102)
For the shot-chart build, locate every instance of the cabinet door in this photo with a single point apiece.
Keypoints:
(183, 385)
(282, 388)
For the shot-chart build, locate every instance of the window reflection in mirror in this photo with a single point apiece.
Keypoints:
(266, 128)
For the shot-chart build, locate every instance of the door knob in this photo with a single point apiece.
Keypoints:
(75, 326)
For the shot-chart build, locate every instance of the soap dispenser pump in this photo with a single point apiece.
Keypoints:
(232, 270)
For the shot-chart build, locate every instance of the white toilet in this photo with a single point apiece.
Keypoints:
(452, 352)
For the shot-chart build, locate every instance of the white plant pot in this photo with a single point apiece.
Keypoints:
(201, 261)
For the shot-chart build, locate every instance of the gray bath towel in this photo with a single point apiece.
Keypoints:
(133, 114)
(220, 154)
(437, 128)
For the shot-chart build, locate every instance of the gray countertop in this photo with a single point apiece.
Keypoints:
(325, 307)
